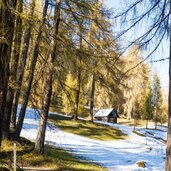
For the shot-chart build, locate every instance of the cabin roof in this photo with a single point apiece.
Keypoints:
(103, 112)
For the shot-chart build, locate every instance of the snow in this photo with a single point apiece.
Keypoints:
(160, 134)
(119, 155)
(103, 112)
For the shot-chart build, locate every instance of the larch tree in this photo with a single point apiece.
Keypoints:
(22, 65)
(79, 61)
(157, 100)
(94, 36)
(39, 145)
(31, 73)
(13, 69)
(148, 105)
(69, 95)
(156, 15)
(7, 21)
(164, 116)
(79, 22)
(135, 81)
(16, 55)
(86, 39)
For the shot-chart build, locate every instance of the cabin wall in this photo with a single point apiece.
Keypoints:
(105, 119)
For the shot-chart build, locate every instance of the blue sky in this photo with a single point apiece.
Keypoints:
(162, 68)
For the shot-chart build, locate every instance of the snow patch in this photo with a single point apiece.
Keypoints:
(120, 155)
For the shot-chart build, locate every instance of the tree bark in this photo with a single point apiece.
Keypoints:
(92, 98)
(31, 75)
(134, 125)
(146, 123)
(155, 124)
(7, 29)
(20, 72)
(168, 145)
(78, 78)
(16, 54)
(13, 70)
(156, 117)
(39, 145)
(3, 85)
(77, 94)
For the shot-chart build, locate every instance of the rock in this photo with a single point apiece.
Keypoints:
(141, 164)
(149, 148)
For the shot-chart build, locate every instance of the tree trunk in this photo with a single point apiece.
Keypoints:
(3, 85)
(78, 78)
(13, 70)
(129, 112)
(155, 124)
(21, 68)
(146, 123)
(134, 125)
(168, 145)
(39, 145)
(92, 98)
(77, 94)
(31, 75)
(16, 54)
(7, 28)
(156, 120)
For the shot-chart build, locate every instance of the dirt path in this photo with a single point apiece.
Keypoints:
(38, 169)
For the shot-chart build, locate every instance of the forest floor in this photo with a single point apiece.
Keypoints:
(55, 159)
(86, 128)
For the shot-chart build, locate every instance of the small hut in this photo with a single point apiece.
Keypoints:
(107, 115)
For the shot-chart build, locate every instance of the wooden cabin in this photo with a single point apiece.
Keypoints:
(107, 115)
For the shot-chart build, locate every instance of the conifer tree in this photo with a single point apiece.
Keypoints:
(31, 74)
(7, 20)
(156, 15)
(39, 145)
(136, 82)
(148, 105)
(157, 99)
(13, 68)
(22, 65)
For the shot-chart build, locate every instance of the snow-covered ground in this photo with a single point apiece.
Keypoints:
(120, 155)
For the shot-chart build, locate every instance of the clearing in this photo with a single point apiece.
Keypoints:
(127, 154)
(56, 159)
(86, 128)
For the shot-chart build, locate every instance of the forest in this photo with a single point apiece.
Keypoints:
(65, 57)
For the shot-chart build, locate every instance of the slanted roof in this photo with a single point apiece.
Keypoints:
(103, 112)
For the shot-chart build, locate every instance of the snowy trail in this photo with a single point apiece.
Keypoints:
(120, 155)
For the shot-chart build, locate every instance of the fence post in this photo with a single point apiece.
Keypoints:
(15, 157)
